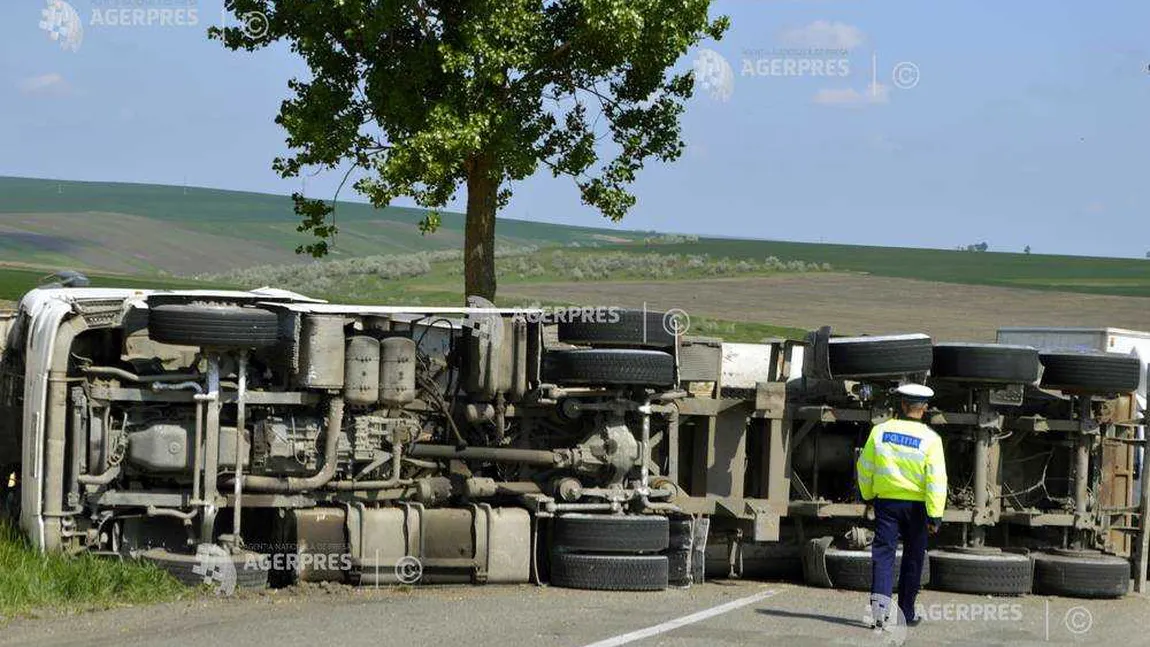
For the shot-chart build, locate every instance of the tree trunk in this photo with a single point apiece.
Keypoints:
(479, 232)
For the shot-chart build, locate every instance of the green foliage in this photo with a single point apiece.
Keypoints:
(391, 277)
(422, 96)
(618, 265)
(343, 279)
(33, 580)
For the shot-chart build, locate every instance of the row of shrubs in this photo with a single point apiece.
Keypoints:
(334, 276)
(320, 276)
(583, 267)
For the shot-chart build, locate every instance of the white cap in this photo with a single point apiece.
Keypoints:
(915, 392)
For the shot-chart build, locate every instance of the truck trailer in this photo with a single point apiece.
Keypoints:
(292, 440)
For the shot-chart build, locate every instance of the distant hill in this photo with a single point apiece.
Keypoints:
(149, 229)
(111, 229)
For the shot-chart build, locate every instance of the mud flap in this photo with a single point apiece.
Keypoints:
(815, 562)
(699, 549)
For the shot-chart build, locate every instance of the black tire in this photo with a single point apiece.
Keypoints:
(634, 328)
(680, 542)
(989, 363)
(609, 572)
(1090, 372)
(681, 536)
(679, 567)
(213, 325)
(853, 357)
(603, 367)
(605, 533)
(851, 569)
(1081, 576)
(982, 574)
(195, 571)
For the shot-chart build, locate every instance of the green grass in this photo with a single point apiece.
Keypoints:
(1116, 276)
(79, 224)
(30, 580)
(50, 222)
(14, 283)
(742, 331)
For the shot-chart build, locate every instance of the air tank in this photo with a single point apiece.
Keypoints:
(396, 371)
(361, 371)
(321, 352)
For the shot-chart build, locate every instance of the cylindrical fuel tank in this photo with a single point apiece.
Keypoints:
(396, 371)
(835, 453)
(361, 371)
(321, 352)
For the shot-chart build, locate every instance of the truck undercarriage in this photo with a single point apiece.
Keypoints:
(592, 448)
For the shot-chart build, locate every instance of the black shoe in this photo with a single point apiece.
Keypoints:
(876, 625)
(914, 622)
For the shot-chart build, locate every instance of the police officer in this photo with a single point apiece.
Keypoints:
(902, 471)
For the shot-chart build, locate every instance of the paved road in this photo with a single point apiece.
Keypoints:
(716, 613)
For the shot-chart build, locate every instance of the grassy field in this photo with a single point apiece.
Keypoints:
(30, 580)
(1117, 276)
(14, 282)
(195, 230)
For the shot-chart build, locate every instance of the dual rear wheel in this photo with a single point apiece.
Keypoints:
(610, 552)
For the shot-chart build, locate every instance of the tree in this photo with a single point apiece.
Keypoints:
(1026, 250)
(425, 96)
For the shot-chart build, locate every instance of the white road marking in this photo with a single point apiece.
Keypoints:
(671, 625)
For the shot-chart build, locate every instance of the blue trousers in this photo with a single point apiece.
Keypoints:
(895, 519)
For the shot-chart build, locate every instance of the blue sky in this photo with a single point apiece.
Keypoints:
(1027, 125)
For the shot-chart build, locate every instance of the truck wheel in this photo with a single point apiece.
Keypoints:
(991, 363)
(213, 325)
(1081, 574)
(605, 533)
(982, 572)
(851, 569)
(601, 367)
(681, 533)
(609, 572)
(1090, 372)
(853, 357)
(679, 545)
(635, 328)
(212, 566)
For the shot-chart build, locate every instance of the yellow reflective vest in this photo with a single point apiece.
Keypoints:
(903, 459)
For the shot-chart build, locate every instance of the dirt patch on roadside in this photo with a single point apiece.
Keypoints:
(855, 303)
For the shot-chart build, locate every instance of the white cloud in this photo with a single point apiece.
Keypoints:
(822, 34)
(52, 83)
(874, 94)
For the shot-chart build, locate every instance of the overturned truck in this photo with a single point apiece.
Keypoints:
(296, 440)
